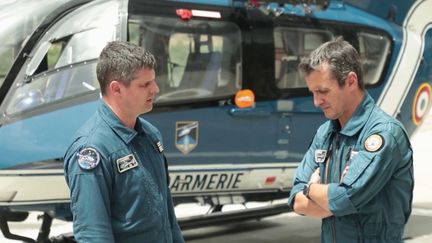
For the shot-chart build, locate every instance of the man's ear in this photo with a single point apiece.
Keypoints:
(352, 80)
(114, 87)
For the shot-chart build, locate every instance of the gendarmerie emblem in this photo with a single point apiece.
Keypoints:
(186, 137)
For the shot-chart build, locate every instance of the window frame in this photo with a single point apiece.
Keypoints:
(338, 29)
(236, 73)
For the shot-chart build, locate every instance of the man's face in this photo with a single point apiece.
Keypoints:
(327, 94)
(139, 95)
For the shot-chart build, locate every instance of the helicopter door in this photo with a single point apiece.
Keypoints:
(211, 145)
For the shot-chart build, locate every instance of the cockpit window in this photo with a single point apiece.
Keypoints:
(292, 44)
(64, 62)
(16, 28)
(7, 55)
(195, 59)
(55, 52)
(373, 50)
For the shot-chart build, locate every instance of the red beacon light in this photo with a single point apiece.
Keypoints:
(254, 3)
(184, 14)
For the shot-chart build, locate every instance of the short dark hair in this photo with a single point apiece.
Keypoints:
(341, 57)
(120, 60)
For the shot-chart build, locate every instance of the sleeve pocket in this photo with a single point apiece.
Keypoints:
(358, 165)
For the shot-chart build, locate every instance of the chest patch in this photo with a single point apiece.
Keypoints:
(373, 143)
(126, 163)
(320, 155)
(159, 146)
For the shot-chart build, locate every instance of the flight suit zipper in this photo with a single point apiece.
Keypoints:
(333, 223)
(333, 218)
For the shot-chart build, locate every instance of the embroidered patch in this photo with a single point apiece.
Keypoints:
(373, 143)
(126, 163)
(320, 155)
(159, 146)
(88, 158)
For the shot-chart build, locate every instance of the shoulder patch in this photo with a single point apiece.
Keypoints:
(374, 142)
(88, 158)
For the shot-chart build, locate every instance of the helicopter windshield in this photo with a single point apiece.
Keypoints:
(15, 28)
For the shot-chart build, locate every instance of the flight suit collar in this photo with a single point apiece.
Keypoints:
(357, 121)
(125, 133)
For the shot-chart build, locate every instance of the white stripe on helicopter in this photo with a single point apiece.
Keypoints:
(29, 187)
(416, 24)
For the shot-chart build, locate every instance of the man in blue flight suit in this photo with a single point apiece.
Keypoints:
(115, 167)
(357, 174)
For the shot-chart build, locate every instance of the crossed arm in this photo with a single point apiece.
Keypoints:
(317, 204)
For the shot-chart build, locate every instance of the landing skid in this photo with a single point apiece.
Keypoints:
(44, 231)
(215, 216)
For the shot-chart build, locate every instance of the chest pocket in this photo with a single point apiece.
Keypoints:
(136, 188)
(358, 165)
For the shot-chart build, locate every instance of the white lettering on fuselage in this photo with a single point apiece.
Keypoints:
(204, 182)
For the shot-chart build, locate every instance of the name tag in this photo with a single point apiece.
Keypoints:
(126, 163)
(159, 146)
(320, 155)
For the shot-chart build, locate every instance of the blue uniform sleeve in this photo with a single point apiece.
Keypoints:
(303, 172)
(369, 172)
(90, 201)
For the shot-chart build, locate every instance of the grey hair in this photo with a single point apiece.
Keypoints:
(119, 61)
(341, 57)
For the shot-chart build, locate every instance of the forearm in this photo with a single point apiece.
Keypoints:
(305, 206)
(318, 194)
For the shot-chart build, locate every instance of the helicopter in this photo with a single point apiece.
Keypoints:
(235, 114)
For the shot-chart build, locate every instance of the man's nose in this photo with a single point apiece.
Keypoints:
(317, 100)
(156, 88)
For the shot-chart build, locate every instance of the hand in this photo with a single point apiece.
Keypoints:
(315, 177)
